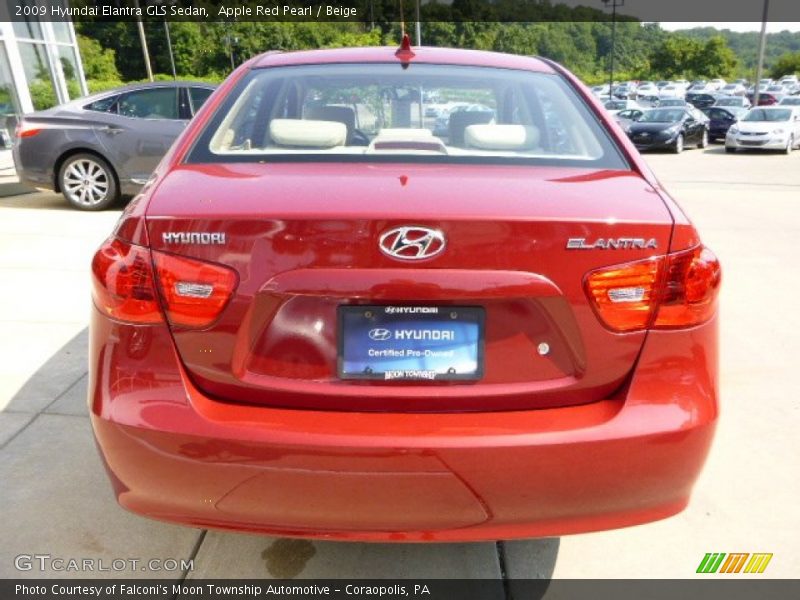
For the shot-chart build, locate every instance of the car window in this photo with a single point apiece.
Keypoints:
(155, 103)
(379, 112)
(761, 114)
(659, 115)
(103, 104)
(198, 96)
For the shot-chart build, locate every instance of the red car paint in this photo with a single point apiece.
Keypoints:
(242, 422)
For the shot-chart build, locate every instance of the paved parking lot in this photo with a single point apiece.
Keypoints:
(55, 498)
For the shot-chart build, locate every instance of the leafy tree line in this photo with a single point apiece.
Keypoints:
(745, 45)
(112, 53)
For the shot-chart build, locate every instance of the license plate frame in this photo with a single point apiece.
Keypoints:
(465, 324)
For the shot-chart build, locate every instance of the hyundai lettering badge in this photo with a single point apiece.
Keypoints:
(412, 243)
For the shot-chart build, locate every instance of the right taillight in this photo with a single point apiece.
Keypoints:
(690, 288)
(128, 278)
(665, 292)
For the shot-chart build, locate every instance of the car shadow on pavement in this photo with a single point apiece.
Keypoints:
(57, 501)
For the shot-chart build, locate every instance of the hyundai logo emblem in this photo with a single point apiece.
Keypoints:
(379, 334)
(412, 243)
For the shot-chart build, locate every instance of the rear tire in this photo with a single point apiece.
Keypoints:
(87, 182)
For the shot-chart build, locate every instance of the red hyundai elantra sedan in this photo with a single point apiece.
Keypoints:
(418, 295)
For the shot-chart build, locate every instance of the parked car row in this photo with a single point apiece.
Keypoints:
(674, 127)
(700, 93)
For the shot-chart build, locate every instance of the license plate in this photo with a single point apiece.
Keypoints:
(418, 343)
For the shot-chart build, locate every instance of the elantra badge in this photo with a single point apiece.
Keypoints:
(412, 243)
(612, 244)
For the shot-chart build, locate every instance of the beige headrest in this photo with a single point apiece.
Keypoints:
(307, 133)
(501, 137)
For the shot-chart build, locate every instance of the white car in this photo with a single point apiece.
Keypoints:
(733, 89)
(602, 91)
(717, 84)
(647, 91)
(737, 101)
(766, 128)
(614, 106)
(672, 90)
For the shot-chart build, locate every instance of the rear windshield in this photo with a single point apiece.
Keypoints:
(423, 113)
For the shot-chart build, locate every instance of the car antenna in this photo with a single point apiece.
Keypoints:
(404, 52)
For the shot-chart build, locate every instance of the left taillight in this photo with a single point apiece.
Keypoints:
(25, 129)
(131, 284)
(123, 285)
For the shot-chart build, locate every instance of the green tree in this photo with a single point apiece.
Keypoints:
(518, 38)
(714, 59)
(98, 62)
(682, 56)
(788, 64)
(675, 57)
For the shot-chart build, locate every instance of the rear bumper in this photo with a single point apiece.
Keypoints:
(178, 456)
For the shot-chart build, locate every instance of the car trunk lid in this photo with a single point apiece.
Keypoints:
(305, 241)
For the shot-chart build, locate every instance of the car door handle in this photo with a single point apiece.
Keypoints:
(112, 129)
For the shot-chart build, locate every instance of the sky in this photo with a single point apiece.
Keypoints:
(772, 27)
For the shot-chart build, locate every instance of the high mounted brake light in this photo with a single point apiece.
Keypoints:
(664, 292)
(128, 288)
